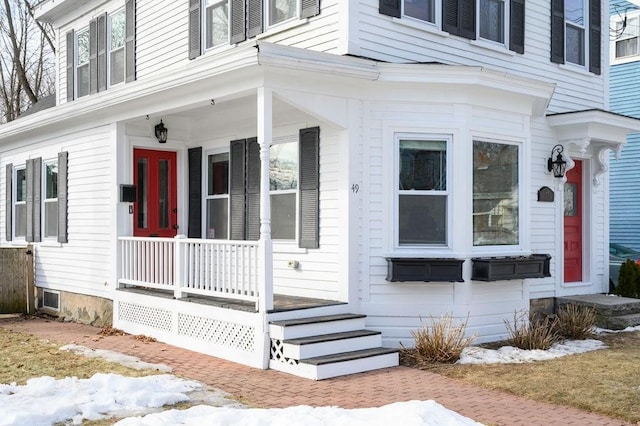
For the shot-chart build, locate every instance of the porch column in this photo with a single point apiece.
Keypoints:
(265, 126)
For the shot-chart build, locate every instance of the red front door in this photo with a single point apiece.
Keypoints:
(155, 212)
(573, 224)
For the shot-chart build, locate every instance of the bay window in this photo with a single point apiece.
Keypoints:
(422, 193)
(495, 194)
(218, 196)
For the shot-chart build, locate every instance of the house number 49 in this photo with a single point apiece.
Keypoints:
(355, 188)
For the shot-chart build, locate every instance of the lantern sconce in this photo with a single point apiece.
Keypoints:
(161, 132)
(559, 165)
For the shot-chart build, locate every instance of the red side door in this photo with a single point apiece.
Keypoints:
(155, 212)
(573, 224)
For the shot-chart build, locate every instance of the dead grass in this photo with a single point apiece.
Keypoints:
(604, 381)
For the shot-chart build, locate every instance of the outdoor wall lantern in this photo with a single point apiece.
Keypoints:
(161, 132)
(559, 165)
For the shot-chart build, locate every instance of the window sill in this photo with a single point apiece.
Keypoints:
(427, 27)
(510, 267)
(401, 269)
(579, 69)
(493, 46)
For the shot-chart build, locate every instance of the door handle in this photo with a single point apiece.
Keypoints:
(175, 210)
(176, 226)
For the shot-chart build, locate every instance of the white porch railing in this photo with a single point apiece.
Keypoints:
(215, 268)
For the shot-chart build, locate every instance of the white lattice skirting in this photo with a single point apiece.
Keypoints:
(224, 333)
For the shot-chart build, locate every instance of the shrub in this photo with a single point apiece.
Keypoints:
(442, 341)
(629, 280)
(576, 322)
(529, 333)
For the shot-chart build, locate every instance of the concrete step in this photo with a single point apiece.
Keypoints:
(619, 322)
(313, 326)
(327, 344)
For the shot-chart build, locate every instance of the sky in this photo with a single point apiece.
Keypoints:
(139, 401)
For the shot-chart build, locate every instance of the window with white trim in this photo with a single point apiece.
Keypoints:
(20, 204)
(283, 189)
(492, 16)
(116, 45)
(626, 32)
(217, 197)
(50, 199)
(216, 23)
(282, 10)
(422, 191)
(82, 63)
(424, 10)
(575, 38)
(495, 194)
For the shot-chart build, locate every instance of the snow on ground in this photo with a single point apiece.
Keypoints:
(126, 360)
(46, 401)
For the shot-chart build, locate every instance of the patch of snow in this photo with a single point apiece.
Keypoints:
(126, 360)
(510, 354)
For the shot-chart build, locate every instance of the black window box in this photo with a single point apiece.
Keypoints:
(401, 269)
(510, 267)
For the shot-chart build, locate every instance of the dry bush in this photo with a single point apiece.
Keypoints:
(576, 322)
(442, 341)
(529, 333)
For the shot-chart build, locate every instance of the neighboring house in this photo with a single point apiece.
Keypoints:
(624, 97)
(214, 170)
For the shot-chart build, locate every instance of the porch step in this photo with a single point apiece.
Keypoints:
(327, 346)
(313, 326)
(612, 312)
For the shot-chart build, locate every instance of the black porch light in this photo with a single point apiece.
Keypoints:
(559, 165)
(161, 132)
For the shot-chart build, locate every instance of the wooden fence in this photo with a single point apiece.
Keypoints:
(16, 280)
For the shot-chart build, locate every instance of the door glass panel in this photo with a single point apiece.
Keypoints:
(143, 190)
(217, 218)
(163, 193)
(570, 199)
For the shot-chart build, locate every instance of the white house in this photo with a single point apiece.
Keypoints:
(244, 178)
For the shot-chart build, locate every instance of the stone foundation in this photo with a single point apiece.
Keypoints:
(81, 308)
(542, 308)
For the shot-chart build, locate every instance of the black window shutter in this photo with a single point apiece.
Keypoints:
(8, 212)
(195, 193)
(237, 190)
(195, 36)
(37, 199)
(253, 189)
(389, 8)
(130, 40)
(450, 16)
(516, 26)
(29, 200)
(254, 17)
(62, 196)
(70, 63)
(467, 19)
(238, 17)
(311, 8)
(595, 36)
(93, 56)
(309, 187)
(102, 51)
(557, 31)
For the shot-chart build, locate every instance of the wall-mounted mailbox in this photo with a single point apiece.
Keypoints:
(128, 193)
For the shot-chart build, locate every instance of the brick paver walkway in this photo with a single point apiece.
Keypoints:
(268, 388)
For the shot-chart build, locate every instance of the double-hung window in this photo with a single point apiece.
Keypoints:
(626, 34)
(282, 10)
(216, 23)
(20, 204)
(422, 191)
(495, 194)
(116, 47)
(82, 63)
(491, 19)
(575, 38)
(218, 196)
(423, 10)
(51, 199)
(283, 189)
